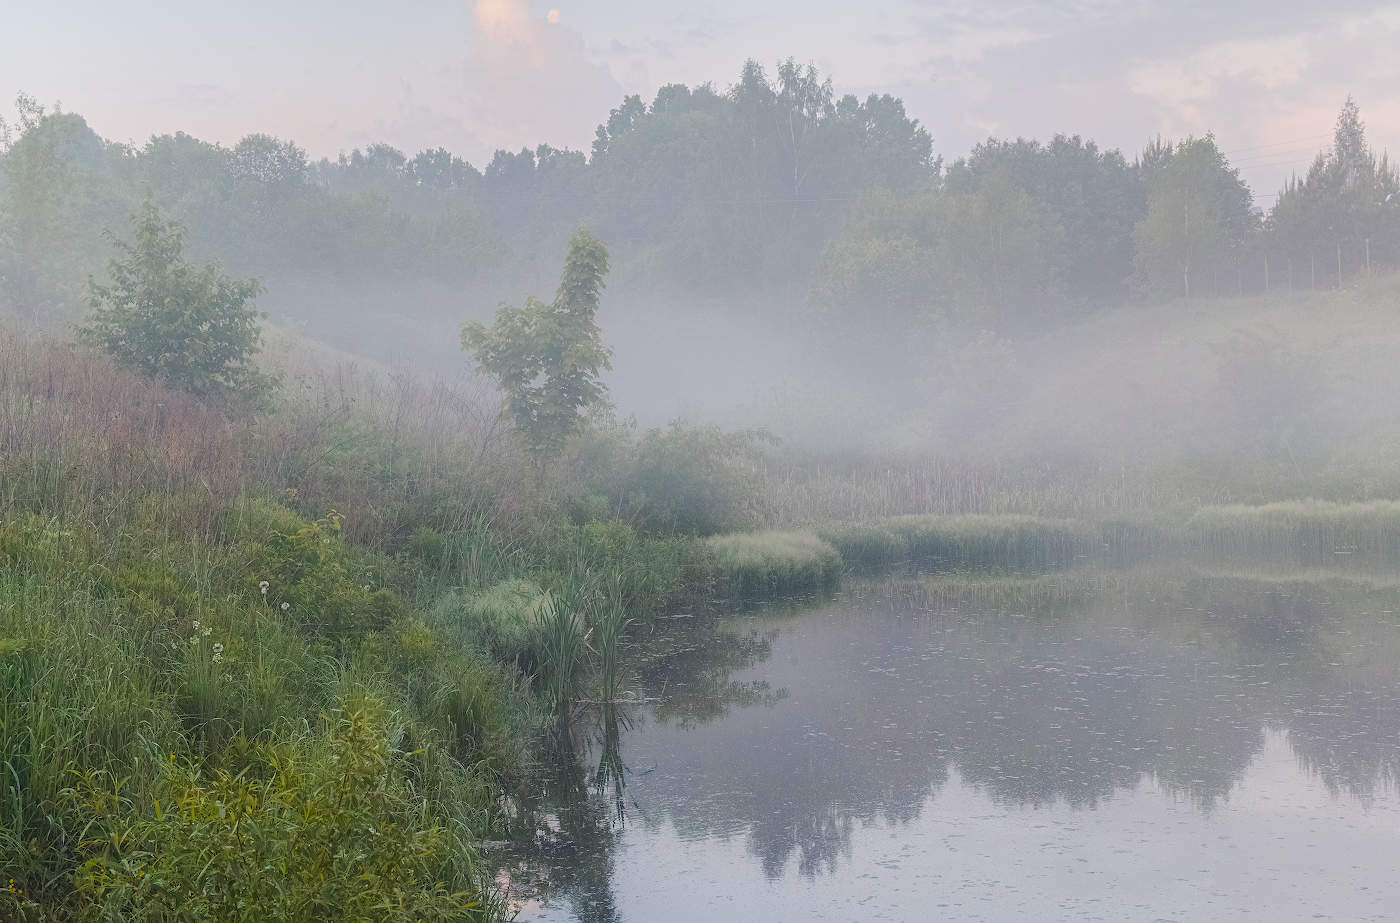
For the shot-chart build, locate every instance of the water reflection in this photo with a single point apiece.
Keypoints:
(1050, 695)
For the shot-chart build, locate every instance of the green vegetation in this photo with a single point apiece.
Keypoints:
(191, 328)
(234, 641)
(772, 562)
(1009, 541)
(547, 357)
(291, 653)
(1306, 531)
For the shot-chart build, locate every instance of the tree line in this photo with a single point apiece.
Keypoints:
(774, 187)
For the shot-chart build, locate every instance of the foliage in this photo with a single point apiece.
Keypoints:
(1347, 207)
(1096, 196)
(693, 480)
(1199, 214)
(327, 829)
(547, 357)
(991, 256)
(191, 328)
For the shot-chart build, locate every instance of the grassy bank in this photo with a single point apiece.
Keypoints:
(319, 640)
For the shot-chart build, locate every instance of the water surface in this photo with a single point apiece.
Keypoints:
(1155, 746)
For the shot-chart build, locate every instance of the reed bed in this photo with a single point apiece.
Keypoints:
(1005, 541)
(1305, 531)
(757, 563)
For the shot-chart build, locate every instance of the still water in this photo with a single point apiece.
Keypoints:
(1084, 746)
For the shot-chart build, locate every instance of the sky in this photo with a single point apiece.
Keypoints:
(474, 75)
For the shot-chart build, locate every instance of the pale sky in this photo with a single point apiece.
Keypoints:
(473, 75)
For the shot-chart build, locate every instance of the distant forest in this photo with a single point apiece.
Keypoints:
(774, 189)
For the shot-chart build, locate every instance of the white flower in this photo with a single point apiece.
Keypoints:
(196, 624)
(207, 632)
(218, 658)
(286, 606)
(218, 648)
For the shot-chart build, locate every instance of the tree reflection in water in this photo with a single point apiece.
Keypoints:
(1058, 690)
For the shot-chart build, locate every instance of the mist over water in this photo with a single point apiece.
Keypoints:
(1140, 745)
(569, 491)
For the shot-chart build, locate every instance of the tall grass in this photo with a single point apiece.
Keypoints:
(1305, 531)
(752, 563)
(1009, 541)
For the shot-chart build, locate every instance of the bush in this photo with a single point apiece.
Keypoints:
(693, 480)
(308, 573)
(314, 830)
(190, 328)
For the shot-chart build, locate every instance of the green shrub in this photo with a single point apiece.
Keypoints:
(692, 481)
(751, 563)
(311, 576)
(312, 830)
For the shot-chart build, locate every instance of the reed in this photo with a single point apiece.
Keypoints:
(1305, 531)
(755, 563)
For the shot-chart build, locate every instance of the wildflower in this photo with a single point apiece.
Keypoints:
(196, 624)
(207, 632)
(286, 606)
(217, 658)
(262, 586)
(218, 648)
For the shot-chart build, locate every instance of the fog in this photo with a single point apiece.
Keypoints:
(487, 460)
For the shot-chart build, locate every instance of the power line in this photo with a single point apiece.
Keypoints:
(1257, 147)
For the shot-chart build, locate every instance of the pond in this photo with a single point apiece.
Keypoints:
(1154, 745)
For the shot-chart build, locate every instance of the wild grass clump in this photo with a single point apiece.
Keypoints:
(756, 563)
(500, 619)
(1305, 531)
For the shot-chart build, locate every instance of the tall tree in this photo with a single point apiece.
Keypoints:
(1199, 214)
(1345, 211)
(548, 358)
(1096, 195)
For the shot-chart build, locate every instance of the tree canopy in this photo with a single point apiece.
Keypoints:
(191, 327)
(548, 358)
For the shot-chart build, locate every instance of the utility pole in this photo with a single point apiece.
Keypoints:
(1186, 239)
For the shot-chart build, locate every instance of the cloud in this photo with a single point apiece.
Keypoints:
(531, 78)
(1180, 83)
